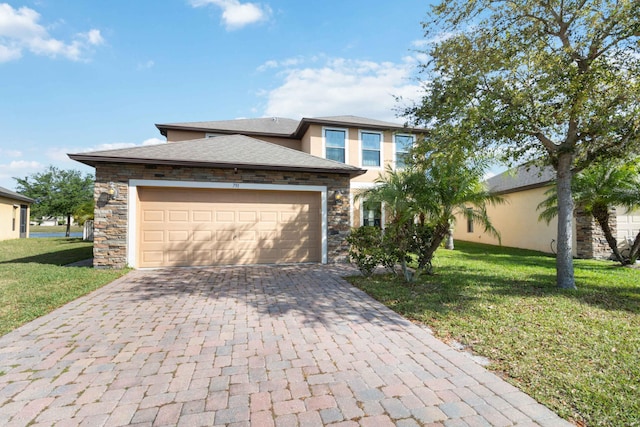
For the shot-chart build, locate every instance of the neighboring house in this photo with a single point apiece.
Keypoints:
(523, 189)
(245, 191)
(14, 215)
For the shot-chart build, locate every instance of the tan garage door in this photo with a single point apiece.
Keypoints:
(628, 224)
(182, 227)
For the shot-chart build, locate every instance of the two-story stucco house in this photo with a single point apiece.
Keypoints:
(247, 191)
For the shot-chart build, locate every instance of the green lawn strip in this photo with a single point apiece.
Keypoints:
(574, 351)
(53, 228)
(33, 280)
(57, 251)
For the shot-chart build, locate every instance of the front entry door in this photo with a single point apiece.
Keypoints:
(23, 221)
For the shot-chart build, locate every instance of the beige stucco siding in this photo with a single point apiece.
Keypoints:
(10, 218)
(185, 135)
(518, 223)
(313, 143)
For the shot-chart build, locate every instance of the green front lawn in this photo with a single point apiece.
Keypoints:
(34, 281)
(53, 228)
(578, 352)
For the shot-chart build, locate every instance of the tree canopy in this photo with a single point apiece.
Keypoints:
(57, 192)
(556, 81)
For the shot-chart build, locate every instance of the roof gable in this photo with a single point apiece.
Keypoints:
(227, 151)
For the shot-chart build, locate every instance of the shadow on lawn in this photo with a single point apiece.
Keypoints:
(537, 278)
(57, 257)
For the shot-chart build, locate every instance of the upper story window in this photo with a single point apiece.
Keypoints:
(403, 144)
(335, 144)
(371, 149)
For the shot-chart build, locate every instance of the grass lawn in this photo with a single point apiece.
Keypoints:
(53, 228)
(34, 281)
(578, 352)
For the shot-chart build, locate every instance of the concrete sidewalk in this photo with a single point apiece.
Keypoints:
(240, 346)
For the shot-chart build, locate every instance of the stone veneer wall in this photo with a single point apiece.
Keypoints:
(590, 240)
(110, 235)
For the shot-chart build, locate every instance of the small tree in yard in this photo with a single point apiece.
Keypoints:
(599, 188)
(57, 192)
(557, 80)
(424, 200)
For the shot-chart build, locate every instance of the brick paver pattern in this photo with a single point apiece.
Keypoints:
(240, 346)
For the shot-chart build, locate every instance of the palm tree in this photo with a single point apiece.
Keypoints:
(433, 197)
(598, 189)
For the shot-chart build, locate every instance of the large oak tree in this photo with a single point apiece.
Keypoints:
(555, 80)
(57, 192)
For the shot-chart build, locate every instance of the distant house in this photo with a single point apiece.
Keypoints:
(14, 215)
(523, 188)
(246, 191)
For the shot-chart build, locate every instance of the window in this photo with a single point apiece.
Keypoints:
(371, 146)
(403, 144)
(335, 144)
(469, 220)
(372, 214)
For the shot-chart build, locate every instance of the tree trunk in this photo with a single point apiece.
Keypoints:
(635, 249)
(449, 242)
(564, 258)
(68, 232)
(602, 217)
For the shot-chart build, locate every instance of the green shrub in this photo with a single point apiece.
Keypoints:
(366, 250)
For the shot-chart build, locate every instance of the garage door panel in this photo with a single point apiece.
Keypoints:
(178, 236)
(178, 216)
(250, 216)
(225, 236)
(153, 216)
(202, 216)
(202, 235)
(153, 236)
(222, 216)
(209, 227)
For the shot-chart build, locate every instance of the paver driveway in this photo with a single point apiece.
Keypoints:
(285, 346)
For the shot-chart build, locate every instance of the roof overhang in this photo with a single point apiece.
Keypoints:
(90, 160)
(164, 128)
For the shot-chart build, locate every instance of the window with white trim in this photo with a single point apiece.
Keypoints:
(403, 144)
(335, 144)
(372, 213)
(371, 149)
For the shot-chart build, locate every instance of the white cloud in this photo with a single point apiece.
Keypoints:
(286, 63)
(235, 14)
(18, 165)
(20, 30)
(10, 153)
(146, 65)
(19, 169)
(343, 86)
(153, 141)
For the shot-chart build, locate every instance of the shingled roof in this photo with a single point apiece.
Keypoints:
(281, 127)
(13, 195)
(276, 126)
(228, 151)
(523, 177)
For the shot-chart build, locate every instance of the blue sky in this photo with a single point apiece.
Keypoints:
(85, 75)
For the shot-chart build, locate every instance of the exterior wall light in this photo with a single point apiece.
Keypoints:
(113, 191)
